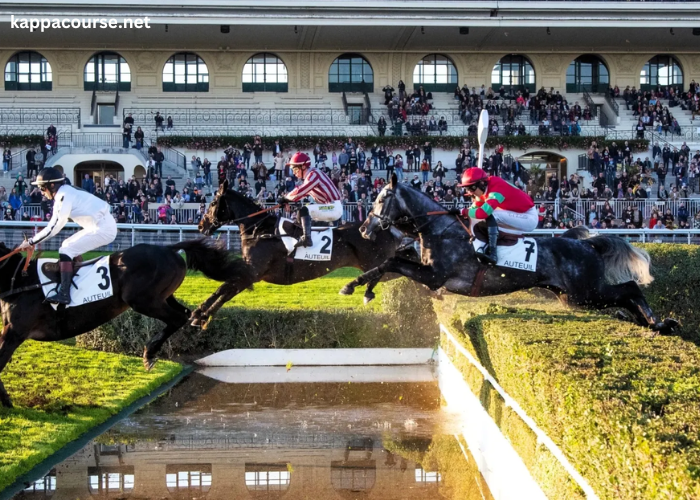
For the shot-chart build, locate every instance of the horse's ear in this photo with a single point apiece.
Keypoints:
(223, 186)
(394, 181)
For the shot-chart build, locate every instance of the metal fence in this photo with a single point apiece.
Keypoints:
(13, 233)
(40, 116)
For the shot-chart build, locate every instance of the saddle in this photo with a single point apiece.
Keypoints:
(294, 230)
(53, 273)
(504, 239)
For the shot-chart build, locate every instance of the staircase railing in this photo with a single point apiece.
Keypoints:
(612, 103)
(116, 103)
(345, 103)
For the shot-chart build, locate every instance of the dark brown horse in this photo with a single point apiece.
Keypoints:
(143, 278)
(265, 252)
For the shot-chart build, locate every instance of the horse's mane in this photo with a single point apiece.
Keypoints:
(434, 205)
(244, 204)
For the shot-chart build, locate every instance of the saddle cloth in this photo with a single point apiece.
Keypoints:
(321, 250)
(91, 282)
(521, 255)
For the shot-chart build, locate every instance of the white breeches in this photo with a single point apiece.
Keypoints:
(102, 233)
(514, 222)
(329, 212)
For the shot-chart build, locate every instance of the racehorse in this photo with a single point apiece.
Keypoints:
(143, 278)
(265, 252)
(598, 272)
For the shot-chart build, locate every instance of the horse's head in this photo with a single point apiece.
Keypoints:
(386, 211)
(217, 214)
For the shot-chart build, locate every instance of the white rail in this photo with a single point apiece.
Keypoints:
(513, 404)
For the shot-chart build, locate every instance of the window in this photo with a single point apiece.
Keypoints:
(108, 481)
(661, 71)
(28, 71)
(107, 71)
(350, 73)
(265, 73)
(587, 73)
(185, 72)
(424, 477)
(514, 72)
(267, 480)
(188, 478)
(436, 73)
(41, 488)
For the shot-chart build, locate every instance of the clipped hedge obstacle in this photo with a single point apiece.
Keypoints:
(623, 405)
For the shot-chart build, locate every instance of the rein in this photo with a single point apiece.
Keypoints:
(254, 214)
(30, 253)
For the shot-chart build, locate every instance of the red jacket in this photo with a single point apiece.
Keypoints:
(499, 194)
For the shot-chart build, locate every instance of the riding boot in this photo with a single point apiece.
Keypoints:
(490, 255)
(62, 296)
(305, 240)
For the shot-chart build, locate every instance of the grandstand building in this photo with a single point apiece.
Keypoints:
(278, 68)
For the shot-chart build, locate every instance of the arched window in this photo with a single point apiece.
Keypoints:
(661, 71)
(435, 73)
(188, 481)
(111, 482)
(28, 71)
(185, 72)
(587, 73)
(265, 73)
(514, 72)
(107, 71)
(268, 481)
(351, 73)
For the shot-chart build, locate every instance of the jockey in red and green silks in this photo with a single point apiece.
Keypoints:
(500, 204)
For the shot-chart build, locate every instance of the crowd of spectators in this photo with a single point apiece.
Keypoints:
(508, 111)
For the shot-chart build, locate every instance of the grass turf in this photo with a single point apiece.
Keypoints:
(319, 294)
(59, 393)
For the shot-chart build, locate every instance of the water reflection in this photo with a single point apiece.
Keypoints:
(213, 440)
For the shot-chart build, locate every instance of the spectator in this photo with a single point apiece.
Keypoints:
(6, 160)
(159, 121)
(138, 137)
(88, 184)
(170, 122)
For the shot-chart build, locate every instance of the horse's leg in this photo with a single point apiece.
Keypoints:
(170, 312)
(369, 294)
(226, 292)
(10, 340)
(198, 317)
(426, 275)
(630, 297)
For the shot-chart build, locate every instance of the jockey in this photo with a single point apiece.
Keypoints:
(499, 203)
(86, 210)
(316, 184)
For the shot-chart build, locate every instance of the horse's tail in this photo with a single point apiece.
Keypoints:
(623, 262)
(211, 258)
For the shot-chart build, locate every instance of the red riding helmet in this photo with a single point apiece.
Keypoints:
(300, 160)
(473, 175)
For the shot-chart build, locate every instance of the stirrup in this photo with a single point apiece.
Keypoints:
(486, 258)
(60, 297)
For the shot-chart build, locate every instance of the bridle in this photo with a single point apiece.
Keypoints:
(385, 221)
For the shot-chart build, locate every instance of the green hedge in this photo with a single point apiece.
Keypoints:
(518, 142)
(623, 406)
(20, 141)
(406, 320)
(676, 271)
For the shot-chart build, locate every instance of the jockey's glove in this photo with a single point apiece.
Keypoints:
(453, 211)
(281, 200)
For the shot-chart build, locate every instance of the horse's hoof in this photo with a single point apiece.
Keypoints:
(196, 322)
(622, 316)
(347, 290)
(5, 401)
(369, 297)
(148, 363)
(668, 326)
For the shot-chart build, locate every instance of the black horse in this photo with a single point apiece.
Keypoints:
(598, 272)
(264, 251)
(144, 278)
